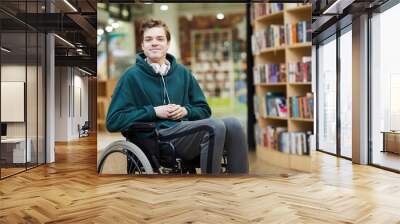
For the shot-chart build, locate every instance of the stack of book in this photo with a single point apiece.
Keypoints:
(270, 136)
(299, 32)
(272, 36)
(269, 73)
(302, 106)
(278, 138)
(295, 142)
(275, 104)
(300, 71)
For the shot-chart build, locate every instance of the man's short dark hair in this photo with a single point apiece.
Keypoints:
(154, 23)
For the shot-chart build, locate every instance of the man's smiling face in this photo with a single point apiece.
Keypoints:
(155, 44)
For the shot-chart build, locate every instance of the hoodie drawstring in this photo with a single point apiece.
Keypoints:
(165, 90)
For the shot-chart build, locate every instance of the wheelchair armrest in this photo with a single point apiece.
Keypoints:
(138, 127)
(142, 126)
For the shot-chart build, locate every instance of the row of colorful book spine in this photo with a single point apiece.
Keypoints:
(265, 9)
(280, 139)
(269, 73)
(298, 32)
(300, 71)
(302, 106)
(271, 37)
(272, 104)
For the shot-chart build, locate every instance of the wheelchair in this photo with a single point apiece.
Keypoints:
(150, 154)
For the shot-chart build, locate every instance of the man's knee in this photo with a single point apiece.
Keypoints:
(232, 124)
(217, 125)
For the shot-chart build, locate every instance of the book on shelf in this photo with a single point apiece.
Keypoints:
(302, 106)
(270, 136)
(298, 33)
(280, 139)
(272, 37)
(300, 71)
(269, 73)
(212, 62)
(295, 142)
(275, 104)
(262, 9)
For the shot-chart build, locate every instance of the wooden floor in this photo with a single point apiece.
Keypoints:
(70, 191)
(387, 159)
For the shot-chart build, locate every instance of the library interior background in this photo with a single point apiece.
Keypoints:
(212, 41)
(293, 92)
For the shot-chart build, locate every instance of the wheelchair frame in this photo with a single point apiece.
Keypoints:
(151, 159)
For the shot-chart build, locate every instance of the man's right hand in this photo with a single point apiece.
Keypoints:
(163, 111)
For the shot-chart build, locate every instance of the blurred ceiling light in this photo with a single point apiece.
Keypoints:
(220, 16)
(125, 13)
(5, 49)
(164, 7)
(64, 40)
(70, 5)
(109, 28)
(115, 25)
(189, 16)
(100, 32)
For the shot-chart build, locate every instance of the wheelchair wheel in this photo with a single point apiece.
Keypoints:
(123, 157)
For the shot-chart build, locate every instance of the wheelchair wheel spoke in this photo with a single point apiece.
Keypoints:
(134, 164)
(131, 159)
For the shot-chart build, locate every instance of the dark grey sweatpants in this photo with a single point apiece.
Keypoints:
(208, 138)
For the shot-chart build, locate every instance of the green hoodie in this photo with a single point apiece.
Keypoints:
(140, 89)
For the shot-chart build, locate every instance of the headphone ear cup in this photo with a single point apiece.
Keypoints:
(156, 67)
(163, 68)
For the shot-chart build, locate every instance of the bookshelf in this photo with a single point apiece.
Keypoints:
(212, 62)
(287, 43)
(105, 89)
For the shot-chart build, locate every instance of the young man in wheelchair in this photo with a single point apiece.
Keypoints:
(158, 89)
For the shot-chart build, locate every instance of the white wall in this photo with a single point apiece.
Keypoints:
(61, 103)
(69, 85)
(33, 126)
(14, 73)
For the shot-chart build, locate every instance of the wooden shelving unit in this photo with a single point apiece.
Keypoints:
(284, 54)
(272, 84)
(105, 89)
(212, 62)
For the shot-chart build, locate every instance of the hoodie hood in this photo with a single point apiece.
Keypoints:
(144, 66)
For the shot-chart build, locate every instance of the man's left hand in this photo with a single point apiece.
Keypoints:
(177, 112)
